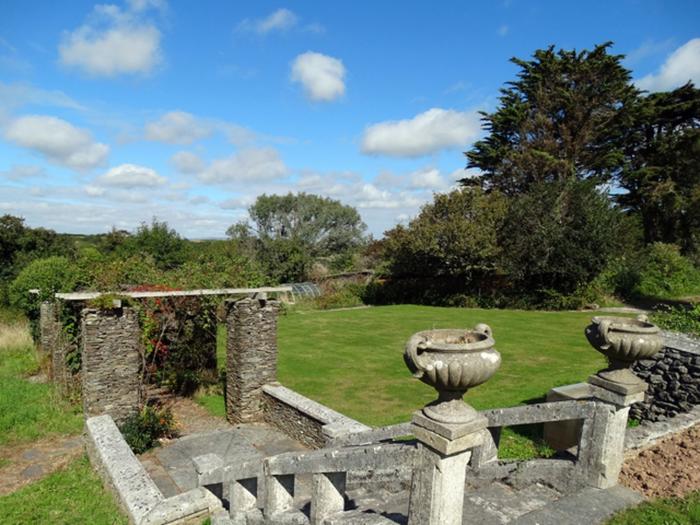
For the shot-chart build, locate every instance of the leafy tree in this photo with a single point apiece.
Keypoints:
(168, 249)
(662, 172)
(322, 225)
(284, 260)
(562, 119)
(454, 236)
(557, 238)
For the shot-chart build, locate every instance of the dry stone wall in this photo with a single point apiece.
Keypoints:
(251, 359)
(111, 362)
(673, 376)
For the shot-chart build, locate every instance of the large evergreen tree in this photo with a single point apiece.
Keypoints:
(562, 119)
(662, 169)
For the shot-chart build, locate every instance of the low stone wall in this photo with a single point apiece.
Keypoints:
(134, 490)
(111, 362)
(305, 420)
(673, 376)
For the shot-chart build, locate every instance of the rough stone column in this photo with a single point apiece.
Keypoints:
(50, 340)
(251, 357)
(437, 489)
(603, 437)
(111, 362)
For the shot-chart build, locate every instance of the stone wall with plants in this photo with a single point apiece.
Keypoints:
(673, 376)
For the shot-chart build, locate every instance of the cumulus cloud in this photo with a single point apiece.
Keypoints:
(59, 141)
(263, 164)
(131, 176)
(681, 66)
(178, 127)
(428, 178)
(279, 20)
(321, 76)
(113, 42)
(426, 133)
(187, 162)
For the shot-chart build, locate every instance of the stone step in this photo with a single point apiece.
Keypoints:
(359, 517)
(590, 506)
(498, 503)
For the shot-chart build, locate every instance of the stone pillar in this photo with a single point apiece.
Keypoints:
(50, 340)
(602, 445)
(437, 489)
(251, 357)
(111, 362)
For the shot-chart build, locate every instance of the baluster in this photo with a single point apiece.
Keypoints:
(279, 494)
(328, 495)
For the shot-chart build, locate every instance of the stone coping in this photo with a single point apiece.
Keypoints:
(334, 424)
(648, 434)
(135, 491)
(86, 296)
(681, 341)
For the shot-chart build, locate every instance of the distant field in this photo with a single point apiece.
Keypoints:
(351, 360)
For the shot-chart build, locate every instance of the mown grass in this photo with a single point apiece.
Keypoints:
(28, 411)
(672, 511)
(68, 496)
(352, 361)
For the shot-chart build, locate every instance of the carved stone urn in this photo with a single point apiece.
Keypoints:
(623, 340)
(452, 361)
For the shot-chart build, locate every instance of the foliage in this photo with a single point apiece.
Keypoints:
(143, 429)
(339, 295)
(557, 238)
(662, 272)
(289, 231)
(109, 301)
(563, 118)
(20, 244)
(161, 242)
(683, 318)
(662, 168)
(68, 496)
(668, 511)
(454, 236)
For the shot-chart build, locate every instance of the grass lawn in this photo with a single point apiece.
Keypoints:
(675, 511)
(352, 361)
(28, 411)
(69, 496)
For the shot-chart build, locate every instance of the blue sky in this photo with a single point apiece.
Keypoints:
(111, 114)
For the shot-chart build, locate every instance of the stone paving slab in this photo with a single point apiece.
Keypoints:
(172, 468)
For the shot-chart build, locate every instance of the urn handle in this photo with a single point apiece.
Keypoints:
(604, 330)
(413, 356)
(484, 329)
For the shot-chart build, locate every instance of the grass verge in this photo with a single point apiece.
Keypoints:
(28, 411)
(68, 496)
(672, 511)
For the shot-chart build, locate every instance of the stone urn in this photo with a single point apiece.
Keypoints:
(452, 361)
(623, 340)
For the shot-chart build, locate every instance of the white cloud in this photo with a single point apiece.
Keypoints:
(681, 66)
(18, 94)
(279, 20)
(178, 127)
(187, 162)
(248, 165)
(321, 76)
(131, 176)
(94, 191)
(425, 133)
(503, 30)
(59, 141)
(113, 42)
(428, 178)
(20, 172)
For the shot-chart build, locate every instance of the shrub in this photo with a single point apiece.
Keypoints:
(50, 275)
(679, 318)
(340, 295)
(664, 272)
(143, 429)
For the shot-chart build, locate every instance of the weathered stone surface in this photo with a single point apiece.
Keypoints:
(251, 359)
(111, 363)
(562, 435)
(304, 419)
(54, 342)
(673, 377)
